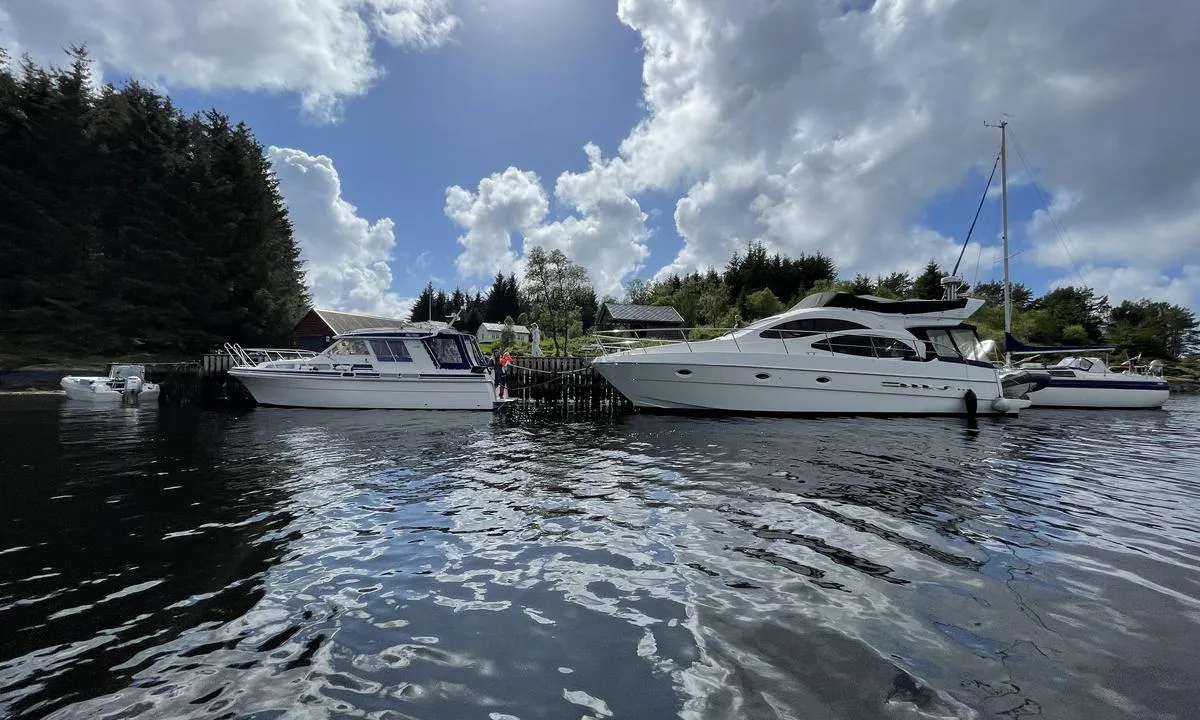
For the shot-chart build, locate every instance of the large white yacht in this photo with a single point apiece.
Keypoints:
(388, 368)
(833, 353)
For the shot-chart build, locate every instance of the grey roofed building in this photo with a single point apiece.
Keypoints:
(638, 317)
(318, 327)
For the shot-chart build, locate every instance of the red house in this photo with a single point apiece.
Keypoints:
(316, 330)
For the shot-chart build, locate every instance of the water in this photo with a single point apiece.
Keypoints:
(309, 564)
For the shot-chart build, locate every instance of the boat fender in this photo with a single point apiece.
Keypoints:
(971, 402)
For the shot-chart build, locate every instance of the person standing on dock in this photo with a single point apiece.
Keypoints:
(502, 374)
(535, 340)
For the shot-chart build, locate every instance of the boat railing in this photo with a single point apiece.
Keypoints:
(255, 356)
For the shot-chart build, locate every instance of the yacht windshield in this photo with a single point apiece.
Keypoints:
(942, 344)
(968, 343)
(446, 352)
(476, 355)
(348, 347)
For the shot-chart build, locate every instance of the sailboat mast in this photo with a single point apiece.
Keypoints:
(1004, 220)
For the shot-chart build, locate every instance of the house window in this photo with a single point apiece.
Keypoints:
(809, 326)
(391, 351)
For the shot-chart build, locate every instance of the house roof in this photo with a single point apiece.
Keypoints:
(499, 327)
(643, 313)
(343, 322)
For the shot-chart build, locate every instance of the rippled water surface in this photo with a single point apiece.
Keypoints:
(428, 565)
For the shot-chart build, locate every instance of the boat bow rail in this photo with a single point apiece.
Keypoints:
(250, 357)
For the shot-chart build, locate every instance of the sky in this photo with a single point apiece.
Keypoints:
(439, 140)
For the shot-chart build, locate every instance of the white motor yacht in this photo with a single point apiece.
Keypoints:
(833, 353)
(124, 383)
(387, 368)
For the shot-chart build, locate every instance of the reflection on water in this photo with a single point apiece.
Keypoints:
(442, 565)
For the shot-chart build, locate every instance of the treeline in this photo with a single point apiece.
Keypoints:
(127, 225)
(558, 296)
(757, 284)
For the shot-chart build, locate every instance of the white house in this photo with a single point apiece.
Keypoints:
(490, 332)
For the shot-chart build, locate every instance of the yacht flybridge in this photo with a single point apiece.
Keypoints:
(833, 353)
(394, 369)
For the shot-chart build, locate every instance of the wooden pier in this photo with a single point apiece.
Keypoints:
(560, 384)
(204, 384)
(564, 383)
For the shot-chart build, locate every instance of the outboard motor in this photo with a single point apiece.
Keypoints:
(133, 388)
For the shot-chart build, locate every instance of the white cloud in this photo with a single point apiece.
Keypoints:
(607, 236)
(507, 202)
(812, 128)
(346, 256)
(1134, 283)
(319, 49)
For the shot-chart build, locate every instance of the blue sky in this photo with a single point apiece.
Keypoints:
(527, 90)
(855, 129)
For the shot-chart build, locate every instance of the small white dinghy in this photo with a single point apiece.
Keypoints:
(124, 384)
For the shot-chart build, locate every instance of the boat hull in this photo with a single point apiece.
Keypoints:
(811, 385)
(390, 392)
(1118, 393)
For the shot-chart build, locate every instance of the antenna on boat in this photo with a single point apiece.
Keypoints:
(1003, 125)
(953, 281)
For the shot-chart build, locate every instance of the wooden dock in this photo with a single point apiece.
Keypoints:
(204, 384)
(558, 384)
(563, 383)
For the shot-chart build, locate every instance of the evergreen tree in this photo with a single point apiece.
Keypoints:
(928, 285)
(126, 225)
(1155, 329)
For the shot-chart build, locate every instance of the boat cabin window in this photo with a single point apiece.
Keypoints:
(809, 326)
(1083, 364)
(943, 346)
(476, 355)
(886, 347)
(968, 343)
(866, 346)
(347, 346)
(847, 345)
(391, 351)
(446, 352)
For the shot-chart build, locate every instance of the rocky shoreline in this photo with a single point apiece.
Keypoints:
(1184, 385)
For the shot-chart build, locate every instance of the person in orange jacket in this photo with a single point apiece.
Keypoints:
(502, 374)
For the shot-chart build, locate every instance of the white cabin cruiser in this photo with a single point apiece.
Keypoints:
(833, 353)
(1087, 382)
(387, 368)
(124, 383)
